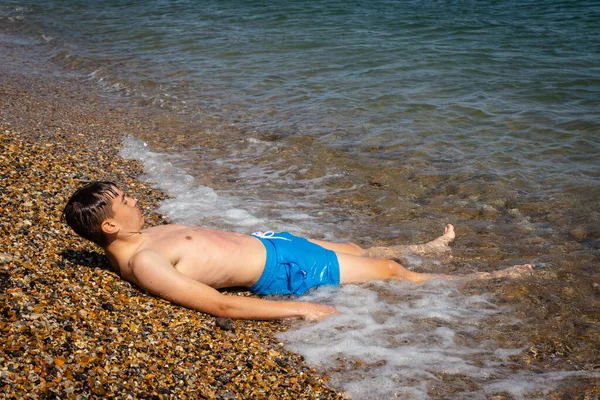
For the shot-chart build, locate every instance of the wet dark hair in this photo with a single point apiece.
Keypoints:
(88, 207)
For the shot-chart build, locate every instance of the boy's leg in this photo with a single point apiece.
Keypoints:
(356, 269)
(436, 246)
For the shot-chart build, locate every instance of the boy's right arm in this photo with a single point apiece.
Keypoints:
(156, 275)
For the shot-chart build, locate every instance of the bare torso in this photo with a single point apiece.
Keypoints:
(217, 259)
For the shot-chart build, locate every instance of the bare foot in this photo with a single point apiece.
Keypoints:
(516, 271)
(439, 245)
(449, 232)
(448, 236)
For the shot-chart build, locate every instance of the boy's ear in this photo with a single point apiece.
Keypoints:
(108, 227)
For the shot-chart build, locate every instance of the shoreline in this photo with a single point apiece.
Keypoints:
(71, 326)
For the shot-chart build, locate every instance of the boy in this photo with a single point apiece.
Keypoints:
(187, 264)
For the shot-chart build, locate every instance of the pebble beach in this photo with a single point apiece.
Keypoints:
(71, 328)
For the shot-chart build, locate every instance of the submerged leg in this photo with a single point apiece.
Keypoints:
(438, 246)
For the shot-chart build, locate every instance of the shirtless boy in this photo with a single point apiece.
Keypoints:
(187, 264)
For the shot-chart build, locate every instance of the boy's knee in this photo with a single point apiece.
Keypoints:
(397, 270)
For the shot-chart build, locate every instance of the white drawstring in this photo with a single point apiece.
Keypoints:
(269, 235)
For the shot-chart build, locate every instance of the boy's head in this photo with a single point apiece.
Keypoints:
(88, 208)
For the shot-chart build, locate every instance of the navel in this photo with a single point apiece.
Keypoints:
(188, 238)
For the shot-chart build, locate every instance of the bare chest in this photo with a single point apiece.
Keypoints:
(218, 259)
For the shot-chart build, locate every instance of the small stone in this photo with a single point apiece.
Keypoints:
(99, 390)
(33, 377)
(225, 324)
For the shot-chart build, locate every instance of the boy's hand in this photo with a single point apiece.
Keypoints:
(318, 312)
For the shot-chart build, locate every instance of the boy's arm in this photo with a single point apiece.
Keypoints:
(156, 275)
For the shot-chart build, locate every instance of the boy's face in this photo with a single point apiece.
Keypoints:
(126, 214)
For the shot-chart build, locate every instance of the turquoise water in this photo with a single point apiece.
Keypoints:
(364, 120)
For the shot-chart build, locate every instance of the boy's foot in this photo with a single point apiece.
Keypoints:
(448, 236)
(439, 245)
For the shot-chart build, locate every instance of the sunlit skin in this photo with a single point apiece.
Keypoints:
(187, 264)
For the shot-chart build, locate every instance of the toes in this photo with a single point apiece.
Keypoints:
(522, 270)
(449, 231)
(527, 269)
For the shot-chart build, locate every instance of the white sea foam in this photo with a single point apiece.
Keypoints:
(191, 203)
(266, 197)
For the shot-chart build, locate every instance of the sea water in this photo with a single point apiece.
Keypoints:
(372, 121)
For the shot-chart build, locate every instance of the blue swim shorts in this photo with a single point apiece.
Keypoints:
(294, 265)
